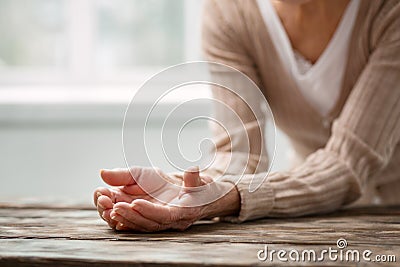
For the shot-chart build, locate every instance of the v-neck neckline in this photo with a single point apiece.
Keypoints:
(287, 45)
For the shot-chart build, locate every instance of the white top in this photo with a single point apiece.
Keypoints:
(320, 83)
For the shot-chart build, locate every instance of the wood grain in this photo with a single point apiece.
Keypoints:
(69, 236)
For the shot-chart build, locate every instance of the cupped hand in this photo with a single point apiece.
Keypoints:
(166, 203)
(124, 188)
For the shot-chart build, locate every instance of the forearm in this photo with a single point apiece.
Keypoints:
(321, 185)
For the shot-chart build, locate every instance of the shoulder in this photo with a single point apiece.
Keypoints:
(231, 12)
(384, 21)
(235, 21)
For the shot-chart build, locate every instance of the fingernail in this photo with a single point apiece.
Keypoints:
(114, 217)
(119, 226)
(193, 169)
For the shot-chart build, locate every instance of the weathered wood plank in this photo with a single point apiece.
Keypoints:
(61, 236)
(74, 224)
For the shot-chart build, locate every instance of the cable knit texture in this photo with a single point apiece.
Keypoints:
(353, 154)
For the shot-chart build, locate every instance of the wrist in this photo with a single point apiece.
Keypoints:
(228, 205)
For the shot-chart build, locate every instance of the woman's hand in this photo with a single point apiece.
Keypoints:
(129, 207)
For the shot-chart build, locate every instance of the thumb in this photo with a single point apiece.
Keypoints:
(117, 177)
(191, 177)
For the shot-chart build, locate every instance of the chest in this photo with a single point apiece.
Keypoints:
(309, 34)
(310, 100)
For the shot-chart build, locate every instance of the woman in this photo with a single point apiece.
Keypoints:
(330, 71)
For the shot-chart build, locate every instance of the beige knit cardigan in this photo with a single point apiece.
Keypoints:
(354, 153)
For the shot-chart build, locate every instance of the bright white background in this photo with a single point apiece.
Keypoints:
(68, 68)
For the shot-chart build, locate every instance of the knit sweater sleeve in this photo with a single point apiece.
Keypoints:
(361, 144)
(239, 133)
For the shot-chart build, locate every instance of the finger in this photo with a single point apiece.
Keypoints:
(191, 177)
(134, 189)
(122, 223)
(101, 191)
(121, 227)
(104, 207)
(124, 193)
(136, 222)
(154, 212)
(116, 177)
(107, 217)
(118, 226)
(192, 182)
(126, 211)
(103, 204)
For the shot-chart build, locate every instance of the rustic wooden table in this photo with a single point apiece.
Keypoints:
(41, 235)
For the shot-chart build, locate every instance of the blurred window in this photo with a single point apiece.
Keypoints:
(84, 39)
(33, 33)
(139, 32)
